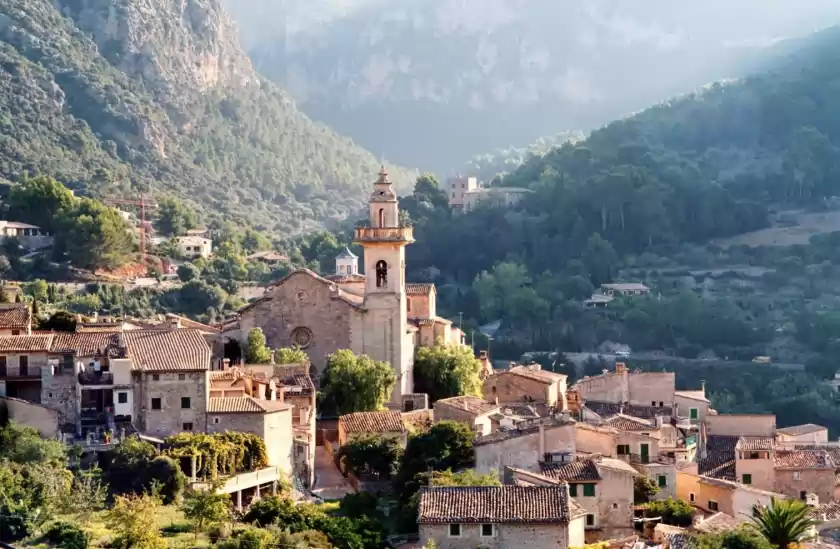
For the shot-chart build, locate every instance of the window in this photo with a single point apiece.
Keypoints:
(693, 413)
(186, 427)
(590, 519)
(661, 404)
(662, 481)
(381, 274)
(185, 403)
(408, 304)
(653, 403)
(796, 475)
(50, 395)
(589, 490)
(155, 377)
(454, 530)
(15, 332)
(623, 449)
(487, 531)
(215, 421)
(713, 505)
(802, 495)
(573, 490)
(122, 397)
(24, 365)
(746, 478)
(3, 366)
(691, 497)
(182, 377)
(156, 404)
(381, 217)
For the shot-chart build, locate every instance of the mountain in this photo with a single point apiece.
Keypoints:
(462, 77)
(115, 97)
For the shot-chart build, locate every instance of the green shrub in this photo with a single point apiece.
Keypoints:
(67, 535)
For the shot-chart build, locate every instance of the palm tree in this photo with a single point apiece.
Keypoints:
(783, 521)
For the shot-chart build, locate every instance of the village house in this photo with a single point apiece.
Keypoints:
(802, 434)
(500, 517)
(713, 495)
(15, 319)
(386, 424)
(640, 394)
(30, 237)
(527, 384)
(608, 292)
(193, 247)
(798, 473)
(21, 359)
(473, 411)
(525, 446)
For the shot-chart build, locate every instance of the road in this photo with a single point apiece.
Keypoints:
(580, 358)
(329, 482)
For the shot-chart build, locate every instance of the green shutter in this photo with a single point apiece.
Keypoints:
(663, 481)
(693, 413)
(589, 490)
(573, 490)
(747, 479)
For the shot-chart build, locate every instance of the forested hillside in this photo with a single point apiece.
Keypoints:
(642, 199)
(116, 97)
(462, 77)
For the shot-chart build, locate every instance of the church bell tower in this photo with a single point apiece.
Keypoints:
(385, 335)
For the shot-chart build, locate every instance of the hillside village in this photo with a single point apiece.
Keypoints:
(621, 458)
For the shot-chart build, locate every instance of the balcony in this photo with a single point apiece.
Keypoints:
(20, 372)
(96, 378)
(384, 234)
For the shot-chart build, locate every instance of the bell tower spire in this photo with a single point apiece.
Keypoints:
(386, 335)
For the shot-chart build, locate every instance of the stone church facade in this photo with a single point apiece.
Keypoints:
(375, 313)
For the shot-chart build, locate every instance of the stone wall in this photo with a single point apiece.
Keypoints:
(303, 301)
(510, 388)
(275, 428)
(756, 425)
(811, 481)
(761, 470)
(507, 536)
(522, 448)
(58, 392)
(170, 388)
(609, 387)
(645, 388)
(28, 414)
(685, 404)
(614, 502)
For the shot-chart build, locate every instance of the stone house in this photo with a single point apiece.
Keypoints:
(603, 487)
(500, 517)
(802, 472)
(527, 384)
(754, 462)
(692, 404)
(624, 289)
(270, 420)
(713, 495)
(194, 246)
(381, 424)
(30, 237)
(529, 443)
(15, 319)
(802, 434)
(21, 360)
(630, 446)
(468, 409)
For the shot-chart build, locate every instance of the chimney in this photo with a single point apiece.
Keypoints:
(703, 386)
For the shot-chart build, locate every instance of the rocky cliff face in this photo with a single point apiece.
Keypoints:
(117, 96)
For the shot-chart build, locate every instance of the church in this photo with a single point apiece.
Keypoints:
(376, 313)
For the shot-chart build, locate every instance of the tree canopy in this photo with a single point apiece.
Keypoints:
(355, 383)
(445, 371)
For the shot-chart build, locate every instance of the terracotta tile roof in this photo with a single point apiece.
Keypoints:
(15, 316)
(802, 459)
(346, 297)
(422, 321)
(583, 470)
(372, 422)
(176, 350)
(83, 344)
(25, 343)
(497, 504)
(754, 443)
(245, 405)
(541, 376)
(344, 278)
(190, 323)
(733, 485)
(629, 423)
(419, 288)
(831, 510)
(805, 429)
(720, 457)
(605, 409)
(226, 375)
(719, 522)
(468, 403)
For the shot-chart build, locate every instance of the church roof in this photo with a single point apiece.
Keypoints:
(347, 254)
(350, 299)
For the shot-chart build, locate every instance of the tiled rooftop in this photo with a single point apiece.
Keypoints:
(244, 405)
(26, 343)
(719, 522)
(14, 316)
(468, 403)
(542, 376)
(747, 444)
(720, 457)
(605, 409)
(497, 504)
(372, 422)
(831, 510)
(419, 288)
(628, 423)
(177, 350)
(83, 344)
(802, 459)
(576, 471)
(805, 429)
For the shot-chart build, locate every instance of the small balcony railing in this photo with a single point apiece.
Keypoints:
(388, 234)
(96, 378)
